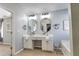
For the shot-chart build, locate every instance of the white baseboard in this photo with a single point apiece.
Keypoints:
(19, 51)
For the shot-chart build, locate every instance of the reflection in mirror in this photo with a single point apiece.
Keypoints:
(45, 25)
(32, 26)
(48, 27)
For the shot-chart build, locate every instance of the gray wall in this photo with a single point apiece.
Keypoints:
(57, 18)
(74, 17)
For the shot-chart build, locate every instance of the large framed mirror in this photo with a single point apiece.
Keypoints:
(45, 25)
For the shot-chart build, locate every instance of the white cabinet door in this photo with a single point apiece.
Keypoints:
(44, 47)
(28, 44)
(47, 45)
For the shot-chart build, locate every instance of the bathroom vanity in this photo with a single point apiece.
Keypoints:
(33, 39)
(43, 42)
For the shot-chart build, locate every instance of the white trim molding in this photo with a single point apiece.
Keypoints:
(19, 51)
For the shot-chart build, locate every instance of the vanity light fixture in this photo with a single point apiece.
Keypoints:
(45, 13)
(31, 15)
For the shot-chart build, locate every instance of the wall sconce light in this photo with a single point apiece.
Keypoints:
(24, 27)
(56, 26)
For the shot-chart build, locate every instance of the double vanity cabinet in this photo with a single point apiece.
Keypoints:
(41, 41)
(33, 39)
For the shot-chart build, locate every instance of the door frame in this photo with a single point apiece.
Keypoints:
(70, 29)
(12, 36)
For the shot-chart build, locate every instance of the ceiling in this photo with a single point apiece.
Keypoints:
(31, 8)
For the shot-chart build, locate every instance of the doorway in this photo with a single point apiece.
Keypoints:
(5, 32)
